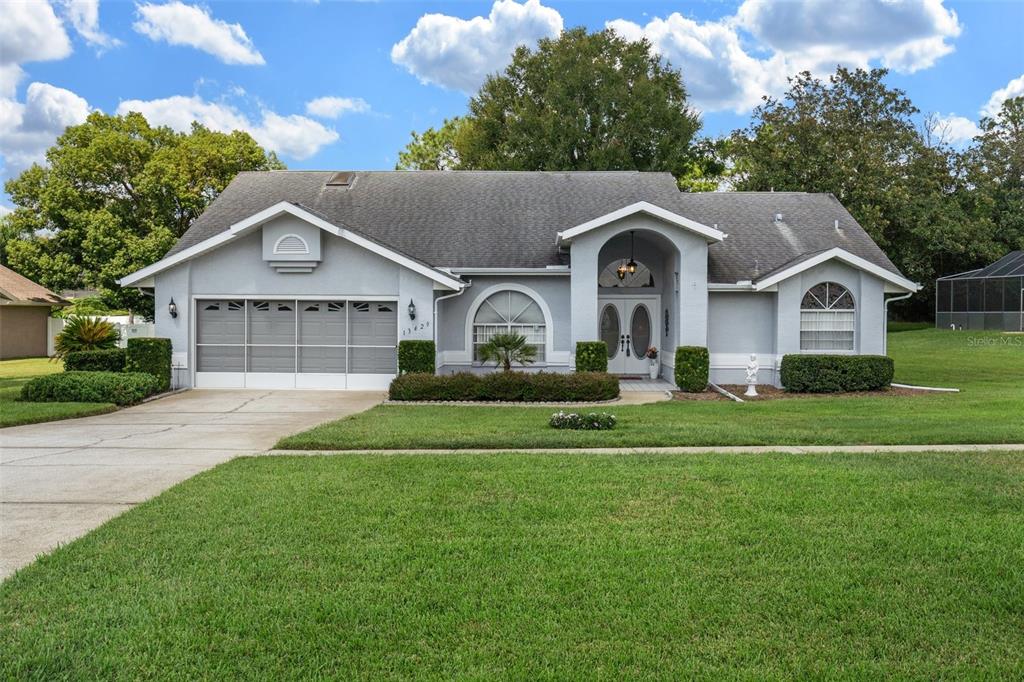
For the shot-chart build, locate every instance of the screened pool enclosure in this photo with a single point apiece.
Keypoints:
(989, 298)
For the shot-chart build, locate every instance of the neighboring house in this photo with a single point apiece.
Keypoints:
(988, 298)
(309, 279)
(24, 314)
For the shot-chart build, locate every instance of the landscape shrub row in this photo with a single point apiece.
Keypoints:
(591, 356)
(506, 387)
(416, 356)
(835, 373)
(108, 360)
(120, 388)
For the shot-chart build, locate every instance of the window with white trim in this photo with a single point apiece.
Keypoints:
(509, 312)
(827, 318)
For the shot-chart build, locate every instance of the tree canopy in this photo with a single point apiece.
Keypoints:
(923, 202)
(115, 195)
(582, 101)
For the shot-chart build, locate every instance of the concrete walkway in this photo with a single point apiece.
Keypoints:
(682, 450)
(58, 480)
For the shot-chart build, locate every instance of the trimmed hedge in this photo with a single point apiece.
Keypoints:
(151, 356)
(120, 388)
(416, 356)
(591, 356)
(506, 387)
(692, 368)
(109, 360)
(835, 373)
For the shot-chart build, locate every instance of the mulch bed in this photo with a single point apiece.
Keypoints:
(769, 392)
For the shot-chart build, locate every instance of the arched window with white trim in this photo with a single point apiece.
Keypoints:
(828, 318)
(509, 312)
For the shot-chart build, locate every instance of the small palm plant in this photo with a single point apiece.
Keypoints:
(85, 333)
(506, 349)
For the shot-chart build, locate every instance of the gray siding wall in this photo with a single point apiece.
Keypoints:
(238, 268)
(453, 314)
(868, 293)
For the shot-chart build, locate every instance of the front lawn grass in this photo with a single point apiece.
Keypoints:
(987, 366)
(15, 373)
(516, 566)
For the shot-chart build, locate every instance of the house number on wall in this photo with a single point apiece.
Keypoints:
(416, 328)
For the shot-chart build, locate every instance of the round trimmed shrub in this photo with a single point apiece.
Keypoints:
(152, 356)
(416, 355)
(591, 356)
(692, 367)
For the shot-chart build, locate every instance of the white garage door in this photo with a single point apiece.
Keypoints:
(292, 343)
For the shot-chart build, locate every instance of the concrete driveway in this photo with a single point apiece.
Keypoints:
(58, 480)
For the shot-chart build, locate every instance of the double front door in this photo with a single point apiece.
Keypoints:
(628, 326)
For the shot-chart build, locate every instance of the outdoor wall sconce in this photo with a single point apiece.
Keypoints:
(172, 308)
(412, 310)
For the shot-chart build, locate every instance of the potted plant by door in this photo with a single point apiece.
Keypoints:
(654, 368)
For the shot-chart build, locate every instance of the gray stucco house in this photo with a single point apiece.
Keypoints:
(302, 279)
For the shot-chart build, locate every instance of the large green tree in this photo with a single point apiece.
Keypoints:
(582, 101)
(993, 176)
(859, 139)
(114, 196)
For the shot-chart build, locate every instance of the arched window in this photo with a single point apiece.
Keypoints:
(827, 318)
(509, 312)
(609, 277)
(291, 244)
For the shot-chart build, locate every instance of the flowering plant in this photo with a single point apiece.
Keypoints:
(582, 422)
(652, 353)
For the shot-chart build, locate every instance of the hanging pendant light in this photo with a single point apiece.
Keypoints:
(621, 271)
(631, 265)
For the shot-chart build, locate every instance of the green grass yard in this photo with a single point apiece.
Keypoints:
(542, 567)
(15, 373)
(987, 366)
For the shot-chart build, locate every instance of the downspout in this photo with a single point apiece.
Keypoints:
(885, 325)
(437, 300)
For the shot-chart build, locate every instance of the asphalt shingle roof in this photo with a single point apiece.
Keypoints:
(17, 288)
(510, 219)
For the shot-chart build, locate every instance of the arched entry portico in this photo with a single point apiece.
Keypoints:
(675, 255)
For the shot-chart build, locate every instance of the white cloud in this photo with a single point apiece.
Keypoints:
(459, 54)
(181, 24)
(84, 15)
(731, 63)
(956, 130)
(29, 32)
(4, 210)
(28, 129)
(334, 107)
(1015, 88)
(905, 35)
(717, 71)
(293, 136)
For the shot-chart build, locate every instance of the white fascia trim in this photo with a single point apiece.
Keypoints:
(709, 233)
(843, 255)
(713, 287)
(547, 271)
(277, 210)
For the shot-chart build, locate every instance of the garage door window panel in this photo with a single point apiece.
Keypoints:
(220, 340)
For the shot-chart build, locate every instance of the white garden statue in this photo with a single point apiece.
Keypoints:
(752, 369)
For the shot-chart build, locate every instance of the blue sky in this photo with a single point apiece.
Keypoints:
(386, 68)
